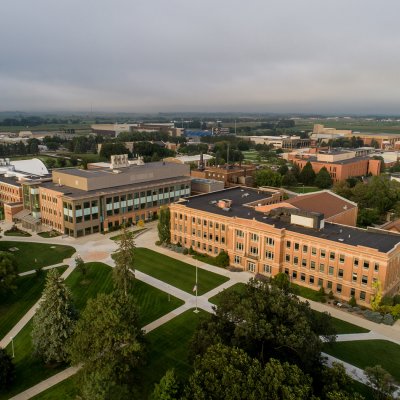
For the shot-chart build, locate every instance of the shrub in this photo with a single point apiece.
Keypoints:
(352, 301)
(158, 243)
(321, 290)
(330, 295)
(373, 316)
(191, 251)
(386, 301)
(396, 299)
(185, 251)
(388, 319)
(222, 259)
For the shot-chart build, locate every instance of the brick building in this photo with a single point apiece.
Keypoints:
(287, 238)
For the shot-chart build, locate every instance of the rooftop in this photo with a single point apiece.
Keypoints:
(341, 162)
(376, 239)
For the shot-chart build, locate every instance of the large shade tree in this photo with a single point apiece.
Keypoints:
(109, 343)
(8, 272)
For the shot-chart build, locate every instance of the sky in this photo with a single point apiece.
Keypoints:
(296, 56)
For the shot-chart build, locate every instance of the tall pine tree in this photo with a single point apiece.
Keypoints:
(124, 258)
(164, 233)
(54, 321)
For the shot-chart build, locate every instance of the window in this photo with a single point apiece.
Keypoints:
(339, 288)
(312, 264)
(222, 227)
(238, 260)
(295, 260)
(303, 277)
(362, 295)
(355, 262)
(313, 251)
(321, 267)
(269, 241)
(294, 275)
(254, 250)
(340, 273)
(239, 233)
(311, 280)
(331, 255)
(331, 270)
(305, 248)
(267, 269)
(287, 257)
(366, 265)
(364, 279)
(376, 267)
(352, 292)
(296, 246)
(354, 276)
(329, 286)
(251, 266)
(341, 258)
(320, 282)
(322, 253)
(254, 237)
(304, 263)
(239, 246)
(288, 244)
(205, 222)
(269, 255)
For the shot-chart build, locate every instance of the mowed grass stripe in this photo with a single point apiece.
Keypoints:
(175, 272)
(44, 254)
(367, 353)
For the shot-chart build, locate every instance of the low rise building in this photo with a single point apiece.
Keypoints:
(313, 252)
(280, 142)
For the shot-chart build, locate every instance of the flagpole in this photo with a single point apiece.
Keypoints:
(196, 310)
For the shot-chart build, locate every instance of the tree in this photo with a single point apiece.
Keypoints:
(307, 174)
(7, 370)
(225, 372)
(283, 169)
(54, 321)
(80, 265)
(124, 257)
(109, 343)
(267, 177)
(323, 180)
(296, 171)
(281, 280)
(168, 387)
(164, 225)
(8, 272)
(381, 382)
(222, 259)
(289, 179)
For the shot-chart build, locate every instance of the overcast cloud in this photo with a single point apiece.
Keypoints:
(333, 56)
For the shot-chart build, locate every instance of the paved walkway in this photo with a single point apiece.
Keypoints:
(28, 316)
(364, 336)
(33, 271)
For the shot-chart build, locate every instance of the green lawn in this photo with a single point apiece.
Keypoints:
(14, 306)
(44, 254)
(307, 293)
(343, 327)
(237, 287)
(65, 390)
(175, 272)
(367, 353)
(168, 348)
(17, 233)
(49, 234)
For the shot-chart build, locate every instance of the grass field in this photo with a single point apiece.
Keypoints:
(14, 306)
(153, 303)
(17, 233)
(49, 234)
(65, 390)
(367, 353)
(175, 272)
(307, 293)
(343, 327)
(44, 254)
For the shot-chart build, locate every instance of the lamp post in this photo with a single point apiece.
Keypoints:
(12, 346)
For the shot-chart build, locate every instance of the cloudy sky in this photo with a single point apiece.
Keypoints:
(332, 56)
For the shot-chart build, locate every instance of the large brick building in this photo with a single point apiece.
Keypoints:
(292, 239)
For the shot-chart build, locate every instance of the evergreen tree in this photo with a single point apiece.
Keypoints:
(296, 171)
(80, 265)
(289, 179)
(164, 225)
(54, 321)
(168, 388)
(307, 174)
(8, 272)
(7, 370)
(124, 258)
(109, 342)
(323, 180)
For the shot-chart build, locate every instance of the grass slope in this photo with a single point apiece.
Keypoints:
(367, 353)
(175, 272)
(45, 254)
(237, 287)
(14, 306)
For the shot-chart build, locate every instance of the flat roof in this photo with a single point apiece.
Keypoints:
(347, 161)
(10, 180)
(379, 240)
(75, 194)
